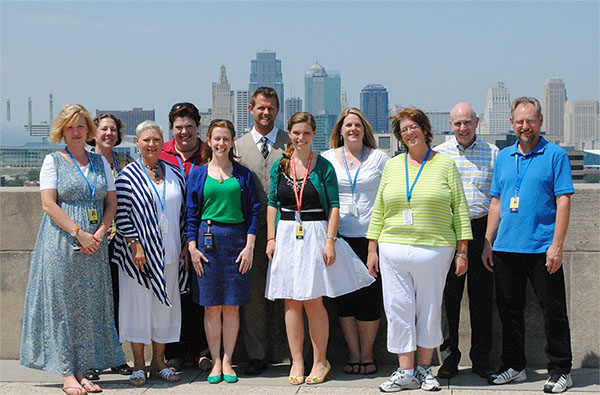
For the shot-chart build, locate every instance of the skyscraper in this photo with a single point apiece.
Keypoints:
(322, 91)
(374, 104)
(325, 123)
(496, 119)
(553, 108)
(582, 126)
(130, 118)
(265, 70)
(343, 100)
(222, 98)
(243, 118)
(292, 105)
(440, 122)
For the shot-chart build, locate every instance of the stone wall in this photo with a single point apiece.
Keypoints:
(20, 215)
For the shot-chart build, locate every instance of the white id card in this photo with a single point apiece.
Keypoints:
(353, 210)
(408, 218)
(164, 224)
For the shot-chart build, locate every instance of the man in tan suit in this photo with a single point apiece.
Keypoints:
(258, 150)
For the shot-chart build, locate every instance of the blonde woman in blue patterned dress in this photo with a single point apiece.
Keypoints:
(68, 325)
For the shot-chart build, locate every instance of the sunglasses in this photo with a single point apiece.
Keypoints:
(184, 104)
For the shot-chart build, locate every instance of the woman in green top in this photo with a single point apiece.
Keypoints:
(222, 219)
(420, 218)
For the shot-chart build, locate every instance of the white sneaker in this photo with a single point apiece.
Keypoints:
(400, 381)
(428, 382)
(558, 382)
(509, 375)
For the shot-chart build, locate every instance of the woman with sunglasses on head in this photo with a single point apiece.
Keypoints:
(150, 251)
(420, 218)
(222, 220)
(306, 261)
(68, 324)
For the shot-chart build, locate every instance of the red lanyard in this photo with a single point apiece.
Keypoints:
(299, 197)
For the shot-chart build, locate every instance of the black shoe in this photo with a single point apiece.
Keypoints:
(124, 369)
(92, 374)
(447, 370)
(483, 371)
(255, 367)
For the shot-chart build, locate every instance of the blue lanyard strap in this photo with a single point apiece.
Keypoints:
(353, 183)
(183, 168)
(520, 176)
(410, 190)
(116, 162)
(92, 190)
(162, 201)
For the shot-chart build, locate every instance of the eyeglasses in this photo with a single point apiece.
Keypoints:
(413, 128)
(185, 104)
(521, 122)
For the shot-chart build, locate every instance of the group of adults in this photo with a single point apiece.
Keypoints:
(195, 230)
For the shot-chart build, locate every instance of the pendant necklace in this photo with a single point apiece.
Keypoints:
(153, 169)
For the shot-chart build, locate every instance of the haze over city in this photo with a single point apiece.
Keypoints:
(120, 55)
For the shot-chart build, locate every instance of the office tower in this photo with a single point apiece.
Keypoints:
(206, 116)
(374, 104)
(265, 70)
(243, 119)
(322, 91)
(8, 109)
(496, 119)
(222, 98)
(130, 118)
(553, 109)
(343, 100)
(325, 123)
(581, 124)
(292, 105)
(440, 122)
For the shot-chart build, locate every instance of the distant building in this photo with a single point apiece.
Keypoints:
(222, 98)
(440, 122)
(131, 118)
(553, 109)
(343, 100)
(206, 116)
(265, 70)
(387, 143)
(496, 118)
(325, 124)
(581, 124)
(322, 91)
(292, 105)
(38, 129)
(243, 119)
(374, 104)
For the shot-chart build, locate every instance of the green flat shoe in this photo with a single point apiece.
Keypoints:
(230, 378)
(215, 379)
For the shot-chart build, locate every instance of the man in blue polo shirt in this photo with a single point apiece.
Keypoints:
(527, 223)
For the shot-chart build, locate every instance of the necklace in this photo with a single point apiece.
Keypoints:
(153, 169)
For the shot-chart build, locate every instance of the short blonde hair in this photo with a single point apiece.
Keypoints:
(66, 116)
(336, 140)
(142, 127)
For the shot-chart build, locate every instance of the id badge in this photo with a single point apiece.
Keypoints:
(164, 224)
(208, 241)
(514, 204)
(299, 231)
(408, 218)
(93, 215)
(353, 210)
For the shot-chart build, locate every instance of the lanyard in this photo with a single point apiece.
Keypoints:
(183, 168)
(299, 197)
(162, 201)
(353, 183)
(115, 162)
(409, 191)
(92, 190)
(520, 176)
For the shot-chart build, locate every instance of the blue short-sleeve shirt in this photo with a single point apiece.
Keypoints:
(546, 174)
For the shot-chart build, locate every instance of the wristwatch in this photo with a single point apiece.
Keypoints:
(332, 238)
(74, 231)
(461, 255)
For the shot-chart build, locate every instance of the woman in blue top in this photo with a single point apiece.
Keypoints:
(222, 219)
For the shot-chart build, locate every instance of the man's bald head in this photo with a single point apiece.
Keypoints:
(464, 121)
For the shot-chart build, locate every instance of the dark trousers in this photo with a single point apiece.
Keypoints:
(511, 272)
(192, 340)
(480, 285)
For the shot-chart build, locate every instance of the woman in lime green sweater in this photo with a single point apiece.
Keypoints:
(419, 220)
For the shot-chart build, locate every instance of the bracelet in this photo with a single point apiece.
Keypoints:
(270, 238)
(461, 255)
(132, 241)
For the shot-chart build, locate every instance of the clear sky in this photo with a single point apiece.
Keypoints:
(120, 55)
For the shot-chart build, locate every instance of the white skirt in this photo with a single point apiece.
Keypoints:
(298, 268)
(142, 317)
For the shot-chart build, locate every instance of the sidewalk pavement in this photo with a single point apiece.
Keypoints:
(19, 380)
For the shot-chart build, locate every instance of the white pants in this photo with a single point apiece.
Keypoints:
(413, 279)
(142, 317)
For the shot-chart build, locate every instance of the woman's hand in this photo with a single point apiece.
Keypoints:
(89, 243)
(245, 259)
(329, 252)
(197, 257)
(270, 249)
(462, 264)
(139, 257)
(373, 264)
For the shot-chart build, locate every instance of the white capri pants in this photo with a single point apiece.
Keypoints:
(142, 317)
(413, 279)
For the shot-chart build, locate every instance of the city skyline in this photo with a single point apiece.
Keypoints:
(77, 53)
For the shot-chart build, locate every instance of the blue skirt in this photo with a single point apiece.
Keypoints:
(222, 283)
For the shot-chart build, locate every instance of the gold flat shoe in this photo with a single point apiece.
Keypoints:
(317, 379)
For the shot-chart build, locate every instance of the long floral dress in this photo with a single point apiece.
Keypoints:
(68, 323)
